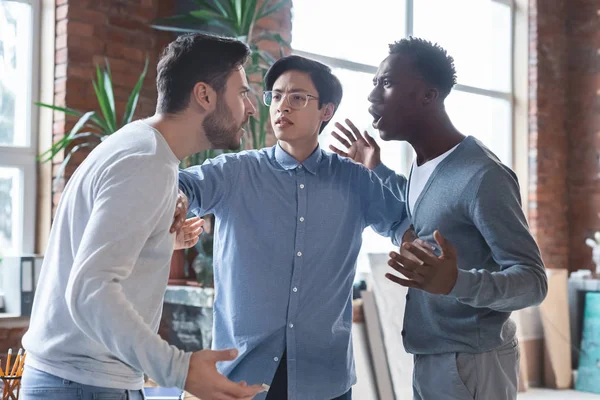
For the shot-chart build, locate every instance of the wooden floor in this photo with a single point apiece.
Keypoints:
(547, 394)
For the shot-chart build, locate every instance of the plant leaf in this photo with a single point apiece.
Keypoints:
(205, 14)
(66, 110)
(103, 101)
(64, 142)
(108, 89)
(248, 17)
(275, 8)
(133, 97)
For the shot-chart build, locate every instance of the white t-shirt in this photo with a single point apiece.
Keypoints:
(99, 301)
(419, 176)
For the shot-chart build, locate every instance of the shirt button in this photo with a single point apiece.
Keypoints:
(299, 254)
(302, 186)
(299, 166)
(291, 325)
(301, 219)
(276, 359)
(295, 289)
(407, 297)
(403, 333)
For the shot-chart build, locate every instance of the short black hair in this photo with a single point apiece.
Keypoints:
(431, 60)
(327, 84)
(193, 58)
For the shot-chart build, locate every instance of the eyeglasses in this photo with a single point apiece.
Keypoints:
(294, 100)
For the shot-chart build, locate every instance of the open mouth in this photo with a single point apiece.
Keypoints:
(283, 122)
(376, 117)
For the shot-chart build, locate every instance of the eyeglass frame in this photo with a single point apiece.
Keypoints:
(286, 97)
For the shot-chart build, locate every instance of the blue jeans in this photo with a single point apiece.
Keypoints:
(36, 384)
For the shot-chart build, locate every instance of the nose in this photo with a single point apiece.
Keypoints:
(250, 109)
(375, 95)
(284, 105)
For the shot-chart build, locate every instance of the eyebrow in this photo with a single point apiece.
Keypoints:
(291, 91)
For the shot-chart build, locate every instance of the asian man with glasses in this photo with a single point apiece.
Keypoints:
(289, 224)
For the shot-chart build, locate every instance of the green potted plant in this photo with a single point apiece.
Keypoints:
(92, 128)
(238, 19)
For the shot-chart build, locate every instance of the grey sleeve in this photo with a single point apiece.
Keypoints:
(521, 282)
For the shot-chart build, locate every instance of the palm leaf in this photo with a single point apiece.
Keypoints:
(134, 96)
(64, 142)
(274, 9)
(216, 7)
(248, 17)
(108, 89)
(103, 100)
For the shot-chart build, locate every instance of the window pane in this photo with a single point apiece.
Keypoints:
(9, 209)
(15, 73)
(486, 118)
(336, 28)
(477, 33)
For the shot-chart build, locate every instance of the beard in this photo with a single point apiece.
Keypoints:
(221, 129)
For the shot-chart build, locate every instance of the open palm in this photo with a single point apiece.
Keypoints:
(360, 148)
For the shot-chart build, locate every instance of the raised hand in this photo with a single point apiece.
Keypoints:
(361, 148)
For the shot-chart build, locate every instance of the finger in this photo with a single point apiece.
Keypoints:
(424, 245)
(338, 152)
(234, 390)
(370, 140)
(403, 282)
(410, 263)
(192, 221)
(427, 257)
(222, 355)
(191, 243)
(413, 275)
(447, 249)
(341, 139)
(354, 130)
(346, 132)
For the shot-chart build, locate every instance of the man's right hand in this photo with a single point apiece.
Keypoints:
(360, 148)
(206, 383)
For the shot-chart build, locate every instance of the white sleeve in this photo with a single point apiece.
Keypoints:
(128, 199)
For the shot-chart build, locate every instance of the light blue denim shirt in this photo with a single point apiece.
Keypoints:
(287, 236)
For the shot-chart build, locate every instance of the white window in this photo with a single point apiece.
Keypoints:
(19, 23)
(354, 40)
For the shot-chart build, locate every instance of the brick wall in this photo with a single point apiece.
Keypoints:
(564, 121)
(583, 127)
(87, 33)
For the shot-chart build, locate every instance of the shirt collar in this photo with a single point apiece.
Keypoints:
(289, 163)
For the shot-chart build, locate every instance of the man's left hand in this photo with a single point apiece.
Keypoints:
(425, 270)
(180, 212)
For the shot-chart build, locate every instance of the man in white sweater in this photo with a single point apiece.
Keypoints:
(93, 330)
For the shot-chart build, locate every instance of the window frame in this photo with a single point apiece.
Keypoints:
(24, 157)
(335, 62)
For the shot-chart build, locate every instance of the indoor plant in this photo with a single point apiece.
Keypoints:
(92, 128)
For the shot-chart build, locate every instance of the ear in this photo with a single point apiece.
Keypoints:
(430, 96)
(328, 111)
(205, 96)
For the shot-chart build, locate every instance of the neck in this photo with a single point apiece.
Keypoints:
(300, 149)
(435, 137)
(183, 133)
